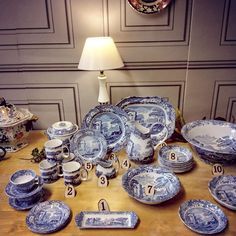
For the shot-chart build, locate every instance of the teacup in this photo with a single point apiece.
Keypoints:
(72, 173)
(49, 171)
(24, 180)
(55, 150)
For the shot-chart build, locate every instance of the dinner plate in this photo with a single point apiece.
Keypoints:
(89, 145)
(154, 113)
(48, 217)
(149, 6)
(223, 189)
(109, 219)
(12, 192)
(112, 122)
(165, 183)
(202, 216)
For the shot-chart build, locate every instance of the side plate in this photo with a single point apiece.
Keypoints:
(101, 220)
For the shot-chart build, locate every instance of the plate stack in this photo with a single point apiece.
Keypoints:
(178, 159)
(20, 196)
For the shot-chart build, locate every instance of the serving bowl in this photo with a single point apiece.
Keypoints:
(214, 140)
(165, 183)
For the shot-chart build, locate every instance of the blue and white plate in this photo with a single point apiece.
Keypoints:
(214, 139)
(166, 184)
(48, 217)
(112, 122)
(154, 113)
(21, 204)
(202, 216)
(223, 189)
(111, 219)
(12, 192)
(89, 145)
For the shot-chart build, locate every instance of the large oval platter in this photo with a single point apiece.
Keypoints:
(154, 113)
(112, 122)
(165, 183)
(89, 145)
(202, 216)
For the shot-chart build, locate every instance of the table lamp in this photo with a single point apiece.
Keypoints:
(100, 53)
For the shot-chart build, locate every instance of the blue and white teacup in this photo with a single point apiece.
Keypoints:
(24, 180)
(72, 173)
(49, 171)
(55, 150)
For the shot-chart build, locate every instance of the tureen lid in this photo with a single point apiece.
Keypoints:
(62, 128)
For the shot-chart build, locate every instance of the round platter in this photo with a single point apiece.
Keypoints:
(48, 217)
(223, 189)
(112, 122)
(202, 216)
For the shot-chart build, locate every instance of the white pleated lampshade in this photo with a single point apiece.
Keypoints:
(100, 53)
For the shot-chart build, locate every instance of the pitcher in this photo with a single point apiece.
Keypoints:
(139, 146)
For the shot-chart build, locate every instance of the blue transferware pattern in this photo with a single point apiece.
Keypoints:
(202, 134)
(26, 204)
(48, 217)
(112, 122)
(89, 145)
(154, 113)
(223, 189)
(62, 128)
(165, 182)
(12, 192)
(202, 216)
(114, 219)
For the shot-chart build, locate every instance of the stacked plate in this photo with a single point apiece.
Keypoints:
(24, 200)
(178, 159)
(223, 189)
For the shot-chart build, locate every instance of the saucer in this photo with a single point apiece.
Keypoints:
(25, 205)
(12, 192)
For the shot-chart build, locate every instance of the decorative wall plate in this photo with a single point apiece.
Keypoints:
(202, 216)
(112, 122)
(166, 184)
(89, 145)
(110, 219)
(154, 113)
(223, 189)
(149, 6)
(48, 217)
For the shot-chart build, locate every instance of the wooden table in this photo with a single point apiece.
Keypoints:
(155, 220)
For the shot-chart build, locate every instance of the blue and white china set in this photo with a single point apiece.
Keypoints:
(140, 125)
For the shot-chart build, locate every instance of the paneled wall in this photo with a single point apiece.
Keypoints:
(186, 53)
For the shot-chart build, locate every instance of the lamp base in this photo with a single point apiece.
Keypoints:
(103, 97)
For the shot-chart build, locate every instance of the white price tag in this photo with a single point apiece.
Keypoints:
(125, 164)
(102, 181)
(103, 205)
(70, 191)
(172, 156)
(88, 165)
(217, 169)
(149, 190)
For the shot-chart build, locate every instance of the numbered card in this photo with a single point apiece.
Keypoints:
(103, 205)
(149, 190)
(125, 164)
(163, 144)
(172, 156)
(217, 169)
(88, 165)
(112, 156)
(70, 191)
(102, 181)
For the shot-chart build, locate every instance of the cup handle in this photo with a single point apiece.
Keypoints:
(60, 171)
(3, 152)
(67, 153)
(83, 174)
